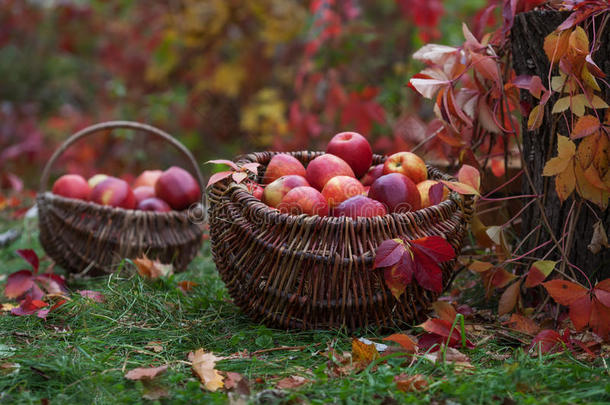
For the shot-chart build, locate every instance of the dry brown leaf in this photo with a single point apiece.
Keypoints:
(599, 239)
(363, 353)
(522, 324)
(453, 356)
(186, 286)
(152, 268)
(145, 372)
(153, 392)
(410, 383)
(237, 382)
(294, 381)
(203, 365)
(444, 310)
(155, 346)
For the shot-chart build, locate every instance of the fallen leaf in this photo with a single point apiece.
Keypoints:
(153, 392)
(7, 307)
(451, 355)
(509, 298)
(155, 346)
(237, 383)
(294, 381)
(94, 295)
(152, 269)
(444, 310)
(363, 353)
(186, 286)
(145, 372)
(522, 324)
(404, 341)
(203, 365)
(410, 383)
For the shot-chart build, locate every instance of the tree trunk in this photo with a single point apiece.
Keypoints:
(528, 35)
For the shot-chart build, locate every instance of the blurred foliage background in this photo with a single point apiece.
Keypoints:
(224, 76)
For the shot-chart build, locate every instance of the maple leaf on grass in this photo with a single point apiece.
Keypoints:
(148, 268)
(31, 283)
(203, 365)
(416, 258)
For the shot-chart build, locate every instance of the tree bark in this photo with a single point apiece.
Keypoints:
(527, 36)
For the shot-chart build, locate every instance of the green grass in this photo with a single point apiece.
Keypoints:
(82, 351)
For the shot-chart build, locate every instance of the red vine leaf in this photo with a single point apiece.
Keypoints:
(399, 276)
(435, 193)
(580, 312)
(427, 272)
(586, 125)
(404, 341)
(602, 292)
(31, 257)
(565, 292)
(389, 253)
(224, 162)
(538, 272)
(216, 177)
(469, 175)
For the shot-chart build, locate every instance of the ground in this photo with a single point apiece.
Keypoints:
(82, 351)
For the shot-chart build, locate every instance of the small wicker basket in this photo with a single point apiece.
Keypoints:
(92, 239)
(308, 272)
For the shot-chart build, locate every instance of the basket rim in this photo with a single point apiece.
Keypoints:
(50, 197)
(267, 213)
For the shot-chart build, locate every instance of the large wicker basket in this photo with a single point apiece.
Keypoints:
(307, 272)
(92, 239)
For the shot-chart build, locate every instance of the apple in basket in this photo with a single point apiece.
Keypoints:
(96, 179)
(372, 174)
(275, 191)
(72, 186)
(147, 178)
(283, 165)
(143, 192)
(114, 192)
(354, 149)
(153, 204)
(406, 163)
(340, 188)
(324, 168)
(424, 192)
(304, 200)
(359, 206)
(178, 188)
(397, 192)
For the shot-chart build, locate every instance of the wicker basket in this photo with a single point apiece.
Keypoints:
(307, 272)
(92, 239)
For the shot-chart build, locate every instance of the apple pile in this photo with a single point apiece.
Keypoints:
(152, 190)
(342, 182)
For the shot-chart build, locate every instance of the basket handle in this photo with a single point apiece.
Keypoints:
(44, 179)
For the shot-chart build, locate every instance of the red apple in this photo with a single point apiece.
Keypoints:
(354, 149)
(424, 192)
(72, 186)
(324, 168)
(96, 179)
(147, 178)
(256, 190)
(397, 192)
(276, 190)
(304, 200)
(178, 188)
(153, 204)
(373, 174)
(283, 165)
(143, 192)
(340, 188)
(406, 163)
(360, 206)
(114, 192)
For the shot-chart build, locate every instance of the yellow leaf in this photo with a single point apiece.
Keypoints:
(565, 152)
(588, 78)
(535, 118)
(554, 166)
(578, 104)
(596, 102)
(152, 268)
(565, 182)
(579, 41)
(480, 267)
(556, 44)
(560, 105)
(588, 191)
(586, 150)
(362, 352)
(203, 365)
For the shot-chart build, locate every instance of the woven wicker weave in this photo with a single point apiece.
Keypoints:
(306, 272)
(92, 239)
